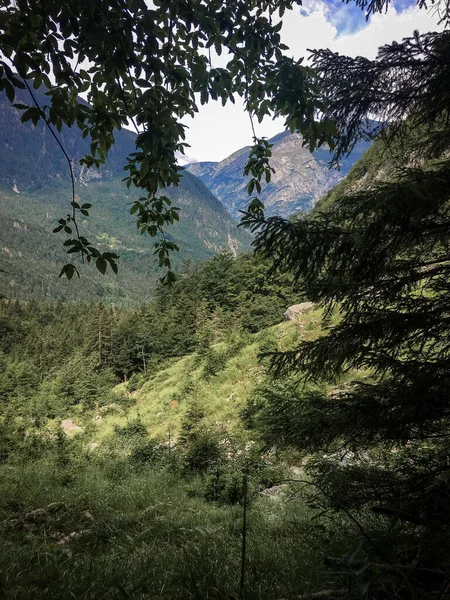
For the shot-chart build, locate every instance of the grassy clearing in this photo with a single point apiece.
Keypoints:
(163, 399)
(92, 532)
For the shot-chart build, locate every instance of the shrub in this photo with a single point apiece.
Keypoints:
(224, 484)
(249, 413)
(135, 382)
(191, 422)
(148, 453)
(203, 453)
(132, 430)
(267, 342)
(236, 341)
(215, 362)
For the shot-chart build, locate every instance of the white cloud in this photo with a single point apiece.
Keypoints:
(316, 30)
(218, 131)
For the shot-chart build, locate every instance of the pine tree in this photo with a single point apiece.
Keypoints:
(377, 253)
(204, 328)
(100, 334)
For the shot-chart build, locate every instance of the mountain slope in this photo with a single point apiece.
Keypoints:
(300, 178)
(35, 192)
(381, 163)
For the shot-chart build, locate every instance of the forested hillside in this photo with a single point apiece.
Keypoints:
(35, 192)
(126, 436)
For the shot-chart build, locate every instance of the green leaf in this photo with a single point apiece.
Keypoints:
(69, 271)
(101, 265)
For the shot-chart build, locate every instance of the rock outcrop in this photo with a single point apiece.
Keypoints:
(294, 311)
(300, 177)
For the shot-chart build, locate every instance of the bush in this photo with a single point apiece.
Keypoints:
(215, 362)
(236, 341)
(191, 423)
(249, 413)
(148, 453)
(132, 430)
(267, 342)
(203, 453)
(135, 382)
(224, 484)
(115, 402)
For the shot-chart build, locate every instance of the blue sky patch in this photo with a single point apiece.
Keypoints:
(349, 18)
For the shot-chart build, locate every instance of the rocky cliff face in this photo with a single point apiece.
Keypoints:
(300, 177)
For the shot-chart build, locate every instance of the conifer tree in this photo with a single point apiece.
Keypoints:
(376, 251)
(204, 330)
(99, 334)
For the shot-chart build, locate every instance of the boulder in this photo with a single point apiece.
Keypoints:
(294, 311)
(70, 428)
(275, 493)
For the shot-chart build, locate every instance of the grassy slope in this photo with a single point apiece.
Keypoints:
(162, 398)
(117, 531)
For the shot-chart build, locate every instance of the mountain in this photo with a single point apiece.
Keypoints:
(35, 192)
(300, 178)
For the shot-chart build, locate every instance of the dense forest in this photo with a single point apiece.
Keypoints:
(92, 347)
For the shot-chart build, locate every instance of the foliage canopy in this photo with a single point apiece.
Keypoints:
(148, 67)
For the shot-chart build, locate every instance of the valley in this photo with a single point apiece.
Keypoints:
(263, 415)
(35, 192)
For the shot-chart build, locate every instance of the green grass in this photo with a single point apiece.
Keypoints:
(141, 535)
(163, 399)
(164, 396)
(109, 527)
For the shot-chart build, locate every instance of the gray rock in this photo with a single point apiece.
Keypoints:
(275, 493)
(294, 311)
(70, 428)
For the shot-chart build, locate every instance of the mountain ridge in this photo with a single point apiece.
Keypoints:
(301, 178)
(34, 170)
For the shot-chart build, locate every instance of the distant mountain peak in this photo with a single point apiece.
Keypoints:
(301, 178)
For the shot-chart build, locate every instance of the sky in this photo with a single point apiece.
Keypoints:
(216, 131)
